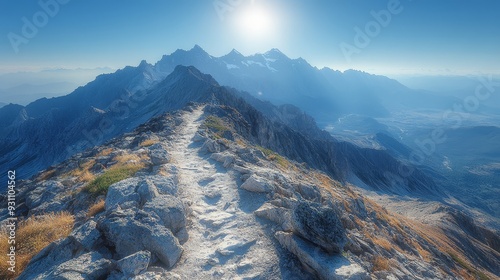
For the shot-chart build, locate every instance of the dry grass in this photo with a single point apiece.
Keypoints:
(382, 242)
(241, 143)
(86, 176)
(148, 142)
(32, 236)
(46, 175)
(95, 209)
(426, 255)
(82, 173)
(125, 159)
(380, 264)
(105, 152)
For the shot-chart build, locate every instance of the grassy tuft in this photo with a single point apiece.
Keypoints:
(273, 156)
(216, 124)
(380, 264)
(100, 185)
(95, 209)
(32, 236)
(148, 142)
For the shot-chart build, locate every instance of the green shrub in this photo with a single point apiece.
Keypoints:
(100, 185)
(273, 156)
(215, 124)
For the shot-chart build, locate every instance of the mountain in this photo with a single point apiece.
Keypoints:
(323, 93)
(106, 108)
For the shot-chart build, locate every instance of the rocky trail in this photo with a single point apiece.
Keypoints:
(221, 232)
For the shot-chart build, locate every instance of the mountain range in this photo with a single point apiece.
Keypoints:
(259, 109)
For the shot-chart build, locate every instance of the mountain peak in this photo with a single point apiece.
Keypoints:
(234, 55)
(183, 71)
(198, 49)
(143, 64)
(235, 52)
(275, 53)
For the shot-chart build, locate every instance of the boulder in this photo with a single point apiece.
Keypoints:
(158, 154)
(279, 215)
(131, 232)
(43, 198)
(147, 191)
(170, 210)
(256, 184)
(123, 193)
(88, 266)
(320, 225)
(310, 193)
(51, 256)
(225, 158)
(164, 184)
(250, 155)
(134, 264)
(86, 235)
(198, 137)
(323, 265)
(210, 146)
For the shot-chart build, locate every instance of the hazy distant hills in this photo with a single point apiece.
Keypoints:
(25, 87)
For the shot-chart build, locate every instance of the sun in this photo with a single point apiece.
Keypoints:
(256, 22)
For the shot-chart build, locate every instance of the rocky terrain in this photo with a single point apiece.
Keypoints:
(198, 194)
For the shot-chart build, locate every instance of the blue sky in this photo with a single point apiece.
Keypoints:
(424, 36)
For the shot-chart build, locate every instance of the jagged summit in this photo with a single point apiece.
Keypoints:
(276, 54)
(191, 71)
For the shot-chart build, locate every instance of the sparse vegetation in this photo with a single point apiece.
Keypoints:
(100, 185)
(148, 142)
(105, 152)
(32, 236)
(273, 156)
(46, 175)
(479, 275)
(382, 242)
(95, 209)
(380, 264)
(216, 125)
(82, 173)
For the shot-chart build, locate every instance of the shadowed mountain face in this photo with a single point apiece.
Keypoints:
(325, 94)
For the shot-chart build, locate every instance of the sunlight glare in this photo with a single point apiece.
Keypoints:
(256, 22)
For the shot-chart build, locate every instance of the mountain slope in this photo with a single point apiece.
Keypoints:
(75, 126)
(207, 203)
